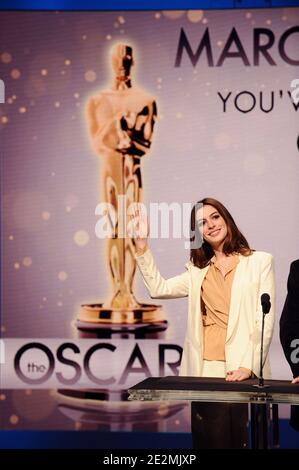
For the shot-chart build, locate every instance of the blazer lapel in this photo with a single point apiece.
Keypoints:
(195, 318)
(235, 300)
(197, 278)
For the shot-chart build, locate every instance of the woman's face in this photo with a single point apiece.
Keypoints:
(212, 226)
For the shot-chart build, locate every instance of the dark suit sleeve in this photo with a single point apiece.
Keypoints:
(289, 321)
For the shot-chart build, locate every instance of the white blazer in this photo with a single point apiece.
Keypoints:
(254, 276)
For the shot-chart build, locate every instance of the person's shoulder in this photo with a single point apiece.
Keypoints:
(190, 266)
(295, 266)
(261, 255)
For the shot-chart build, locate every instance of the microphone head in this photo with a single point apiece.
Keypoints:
(266, 304)
(265, 298)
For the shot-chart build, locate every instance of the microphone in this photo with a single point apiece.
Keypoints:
(266, 305)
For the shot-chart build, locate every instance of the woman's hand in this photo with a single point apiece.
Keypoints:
(139, 228)
(295, 380)
(238, 375)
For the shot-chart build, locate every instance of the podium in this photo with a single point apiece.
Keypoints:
(263, 401)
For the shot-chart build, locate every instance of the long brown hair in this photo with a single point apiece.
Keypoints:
(235, 241)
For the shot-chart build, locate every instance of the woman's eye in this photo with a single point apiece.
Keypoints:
(216, 216)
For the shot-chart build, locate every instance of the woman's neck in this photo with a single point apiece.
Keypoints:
(219, 255)
(218, 252)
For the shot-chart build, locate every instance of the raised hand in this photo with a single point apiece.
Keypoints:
(139, 227)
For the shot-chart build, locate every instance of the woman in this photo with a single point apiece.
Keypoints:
(224, 281)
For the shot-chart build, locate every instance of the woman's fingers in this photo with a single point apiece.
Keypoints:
(138, 223)
(236, 376)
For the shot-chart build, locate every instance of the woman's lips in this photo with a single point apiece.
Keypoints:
(214, 233)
